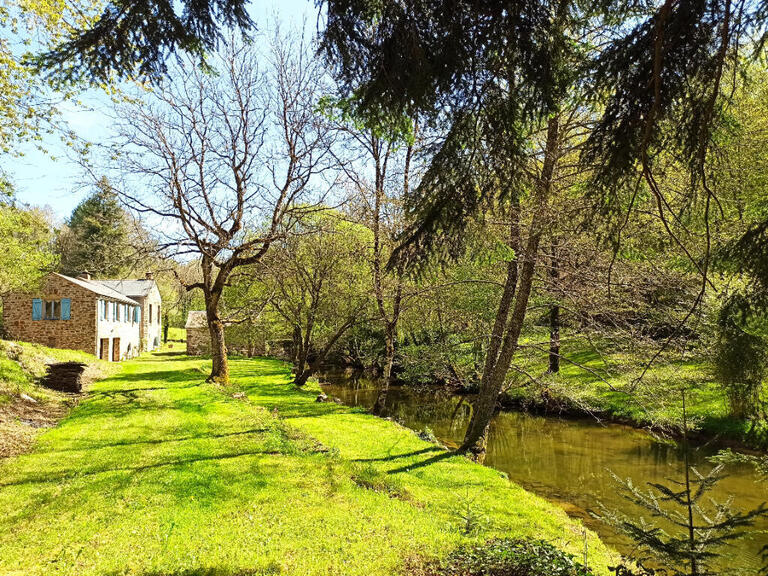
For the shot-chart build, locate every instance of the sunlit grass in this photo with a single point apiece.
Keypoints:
(159, 473)
(614, 382)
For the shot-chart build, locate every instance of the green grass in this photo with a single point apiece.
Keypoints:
(158, 473)
(176, 334)
(606, 382)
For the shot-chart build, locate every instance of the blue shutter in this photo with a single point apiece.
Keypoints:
(37, 309)
(65, 308)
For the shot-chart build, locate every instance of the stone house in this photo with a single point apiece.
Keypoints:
(241, 338)
(198, 336)
(95, 316)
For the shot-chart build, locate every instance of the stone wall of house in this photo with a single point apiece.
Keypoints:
(151, 328)
(129, 342)
(198, 341)
(77, 333)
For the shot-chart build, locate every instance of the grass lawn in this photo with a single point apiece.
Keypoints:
(158, 473)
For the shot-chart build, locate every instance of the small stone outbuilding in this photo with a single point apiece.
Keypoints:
(198, 336)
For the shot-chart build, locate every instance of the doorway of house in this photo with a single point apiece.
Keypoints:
(104, 349)
(116, 350)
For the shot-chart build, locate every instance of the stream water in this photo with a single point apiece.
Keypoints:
(569, 461)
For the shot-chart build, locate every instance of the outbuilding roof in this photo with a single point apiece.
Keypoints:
(196, 319)
(131, 288)
(99, 288)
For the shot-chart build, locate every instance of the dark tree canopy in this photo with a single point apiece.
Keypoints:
(663, 82)
(133, 38)
(482, 72)
(658, 76)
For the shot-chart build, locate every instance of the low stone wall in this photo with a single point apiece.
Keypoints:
(64, 377)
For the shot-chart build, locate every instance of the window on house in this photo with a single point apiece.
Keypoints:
(117, 311)
(158, 313)
(150, 314)
(52, 309)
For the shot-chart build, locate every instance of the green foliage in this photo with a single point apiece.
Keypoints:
(483, 98)
(134, 38)
(508, 557)
(741, 360)
(689, 528)
(27, 251)
(317, 282)
(685, 545)
(98, 238)
(29, 109)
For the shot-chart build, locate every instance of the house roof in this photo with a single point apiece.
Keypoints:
(196, 319)
(131, 288)
(98, 288)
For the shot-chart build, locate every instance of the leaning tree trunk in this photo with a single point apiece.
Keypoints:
(554, 318)
(310, 368)
(496, 368)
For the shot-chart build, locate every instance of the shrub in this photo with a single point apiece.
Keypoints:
(507, 557)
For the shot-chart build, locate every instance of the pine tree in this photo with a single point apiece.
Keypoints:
(693, 526)
(98, 236)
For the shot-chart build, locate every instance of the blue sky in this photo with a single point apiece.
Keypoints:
(55, 180)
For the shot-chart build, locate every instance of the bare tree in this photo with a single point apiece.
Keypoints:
(380, 177)
(228, 161)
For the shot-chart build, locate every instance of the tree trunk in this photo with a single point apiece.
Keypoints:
(212, 290)
(496, 368)
(389, 359)
(165, 329)
(554, 318)
(389, 323)
(220, 362)
(309, 368)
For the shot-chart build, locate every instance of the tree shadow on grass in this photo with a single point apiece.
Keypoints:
(421, 464)
(48, 478)
(402, 455)
(267, 570)
(163, 440)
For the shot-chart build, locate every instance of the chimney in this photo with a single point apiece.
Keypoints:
(149, 276)
(84, 275)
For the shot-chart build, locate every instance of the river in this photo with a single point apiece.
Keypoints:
(569, 461)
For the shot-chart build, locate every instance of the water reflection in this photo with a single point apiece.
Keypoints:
(568, 461)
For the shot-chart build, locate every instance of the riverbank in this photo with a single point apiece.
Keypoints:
(573, 462)
(607, 379)
(157, 472)
(614, 385)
